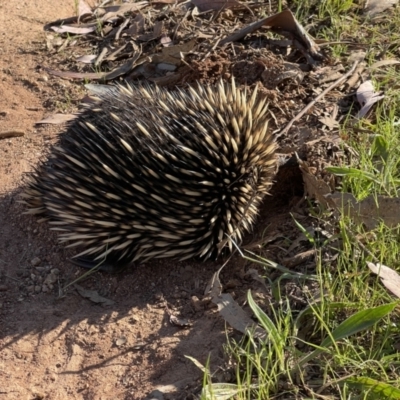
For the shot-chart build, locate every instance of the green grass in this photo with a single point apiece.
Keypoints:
(346, 343)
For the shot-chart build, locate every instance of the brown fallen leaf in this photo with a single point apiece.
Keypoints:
(115, 73)
(173, 54)
(284, 21)
(389, 277)
(299, 258)
(233, 314)
(57, 119)
(315, 188)
(93, 296)
(370, 211)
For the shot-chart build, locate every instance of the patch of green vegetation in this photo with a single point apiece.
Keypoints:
(345, 343)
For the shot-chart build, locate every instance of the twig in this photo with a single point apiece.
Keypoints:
(11, 133)
(319, 97)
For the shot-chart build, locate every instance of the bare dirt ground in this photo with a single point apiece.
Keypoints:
(70, 347)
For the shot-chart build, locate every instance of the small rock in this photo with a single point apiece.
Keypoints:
(196, 303)
(36, 261)
(158, 296)
(55, 271)
(38, 289)
(45, 289)
(3, 113)
(50, 279)
(40, 269)
(120, 341)
(30, 288)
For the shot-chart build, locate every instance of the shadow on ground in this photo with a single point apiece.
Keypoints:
(131, 342)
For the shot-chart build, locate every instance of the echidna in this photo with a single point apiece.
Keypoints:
(148, 173)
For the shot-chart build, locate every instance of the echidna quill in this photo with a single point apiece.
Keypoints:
(148, 173)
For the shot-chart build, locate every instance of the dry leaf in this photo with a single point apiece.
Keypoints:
(78, 30)
(173, 54)
(283, 21)
(57, 119)
(233, 314)
(367, 97)
(83, 9)
(374, 7)
(157, 32)
(369, 211)
(383, 63)
(87, 59)
(93, 296)
(115, 73)
(315, 188)
(389, 277)
(115, 11)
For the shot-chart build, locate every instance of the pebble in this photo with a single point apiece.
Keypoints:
(120, 341)
(50, 279)
(36, 261)
(38, 289)
(196, 303)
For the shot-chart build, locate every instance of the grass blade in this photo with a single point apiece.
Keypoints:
(380, 389)
(358, 322)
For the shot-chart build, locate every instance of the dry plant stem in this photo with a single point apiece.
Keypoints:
(356, 76)
(319, 97)
(11, 133)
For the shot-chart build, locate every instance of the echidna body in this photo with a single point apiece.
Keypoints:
(147, 173)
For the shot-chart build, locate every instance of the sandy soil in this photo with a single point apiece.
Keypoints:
(71, 347)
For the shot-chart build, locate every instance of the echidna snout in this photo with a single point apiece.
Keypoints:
(147, 173)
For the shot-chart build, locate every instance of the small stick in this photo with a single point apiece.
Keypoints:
(11, 133)
(319, 97)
